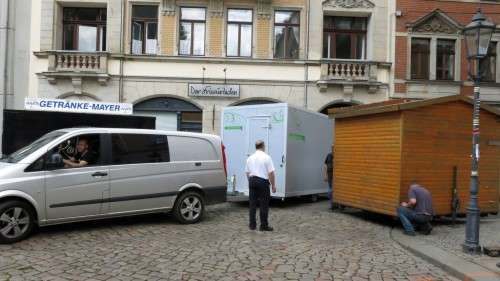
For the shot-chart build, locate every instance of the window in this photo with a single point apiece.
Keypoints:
(445, 59)
(34, 146)
(75, 150)
(190, 122)
(344, 37)
(191, 149)
(144, 29)
(239, 33)
(286, 34)
(420, 50)
(192, 32)
(135, 148)
(488, 65)
(84, 29)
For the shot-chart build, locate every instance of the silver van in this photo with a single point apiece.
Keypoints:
(93, 173)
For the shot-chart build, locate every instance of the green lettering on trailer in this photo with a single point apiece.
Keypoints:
(230, 128)
(297, 137)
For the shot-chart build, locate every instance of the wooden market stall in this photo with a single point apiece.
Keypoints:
(381, 148)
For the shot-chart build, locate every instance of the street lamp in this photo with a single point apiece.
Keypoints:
(477, 39)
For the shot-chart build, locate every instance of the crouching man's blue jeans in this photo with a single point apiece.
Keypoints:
(408, 217)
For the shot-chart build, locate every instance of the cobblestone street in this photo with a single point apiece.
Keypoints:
(309, 243)
(450, 238)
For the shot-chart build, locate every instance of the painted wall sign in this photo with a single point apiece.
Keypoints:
(80, 106)
(214, 90)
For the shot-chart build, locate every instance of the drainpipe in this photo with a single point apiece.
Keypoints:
(5, 26)
(122, 53)
(306, 66)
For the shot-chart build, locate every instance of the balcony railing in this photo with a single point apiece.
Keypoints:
(348, 70)
(74, 61)
(76, 66)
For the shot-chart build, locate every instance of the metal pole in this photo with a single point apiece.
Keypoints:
(471, 244)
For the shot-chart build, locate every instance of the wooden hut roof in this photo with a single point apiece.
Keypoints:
(400, 105)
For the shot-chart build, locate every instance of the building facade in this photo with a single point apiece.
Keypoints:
(15, 52)
(431, 59)
(183, 60)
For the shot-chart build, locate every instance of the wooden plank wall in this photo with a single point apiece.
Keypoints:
(438, 137)
(367, 162)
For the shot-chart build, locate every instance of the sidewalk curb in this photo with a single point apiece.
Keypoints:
(454, 265)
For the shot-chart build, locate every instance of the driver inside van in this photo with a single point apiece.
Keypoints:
(83, 157)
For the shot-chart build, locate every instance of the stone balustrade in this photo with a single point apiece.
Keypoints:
(74, 61)
(349, 70)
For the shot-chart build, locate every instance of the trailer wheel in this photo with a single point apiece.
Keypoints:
(314, 198)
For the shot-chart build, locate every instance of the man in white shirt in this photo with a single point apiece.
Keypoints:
(260, 174)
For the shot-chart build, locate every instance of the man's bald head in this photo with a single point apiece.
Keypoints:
(260, 145)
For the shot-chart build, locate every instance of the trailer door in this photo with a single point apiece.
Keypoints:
(258, 129)
(263, 128)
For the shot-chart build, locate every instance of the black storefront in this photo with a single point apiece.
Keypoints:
(21, 127)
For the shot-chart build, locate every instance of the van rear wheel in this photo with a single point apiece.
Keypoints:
(189, 207)
(17, 221)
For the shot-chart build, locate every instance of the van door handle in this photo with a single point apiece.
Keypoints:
(197, 164)
(99, 174)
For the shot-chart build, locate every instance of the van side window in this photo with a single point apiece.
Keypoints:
(80, 151)
(139, 148)
(191, 149)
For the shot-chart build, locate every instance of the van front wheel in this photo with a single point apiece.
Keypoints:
(16, 221)
(189, 207)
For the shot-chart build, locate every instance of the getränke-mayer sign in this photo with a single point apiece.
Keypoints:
(79, 106)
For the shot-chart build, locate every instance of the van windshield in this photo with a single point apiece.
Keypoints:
(27, 150)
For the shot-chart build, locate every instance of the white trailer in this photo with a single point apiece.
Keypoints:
(297, 140)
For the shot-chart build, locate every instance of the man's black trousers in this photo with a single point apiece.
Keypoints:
(259, 192)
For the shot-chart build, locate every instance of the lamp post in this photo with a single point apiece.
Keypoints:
(477, 39)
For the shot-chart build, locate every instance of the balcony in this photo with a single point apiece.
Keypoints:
(78, 62)
(350, 73)
(76, 66)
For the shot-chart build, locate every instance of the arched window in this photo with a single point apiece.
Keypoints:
(336, 105)
(171, 114)
(254, 102)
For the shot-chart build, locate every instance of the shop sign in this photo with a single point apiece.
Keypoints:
(214, 90)
(80, 106)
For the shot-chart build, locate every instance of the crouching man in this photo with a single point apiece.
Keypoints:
(417, 212)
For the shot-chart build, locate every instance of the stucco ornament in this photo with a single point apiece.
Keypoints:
(168, 7)
(216, 8)
(264, 9)
(435, 25)
(349, 4)
(436, 22)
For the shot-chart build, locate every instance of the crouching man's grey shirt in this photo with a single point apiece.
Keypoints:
(424, 199)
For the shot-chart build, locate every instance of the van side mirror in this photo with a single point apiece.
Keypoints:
(54, 161)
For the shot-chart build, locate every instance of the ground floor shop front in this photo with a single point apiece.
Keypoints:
(187, 105)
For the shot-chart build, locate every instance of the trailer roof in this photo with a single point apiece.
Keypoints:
(400, 105)
(271, 105)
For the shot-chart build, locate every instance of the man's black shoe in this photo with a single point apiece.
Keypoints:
(410, 233)
(266, 228)
(252, 227)
(427, 231)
